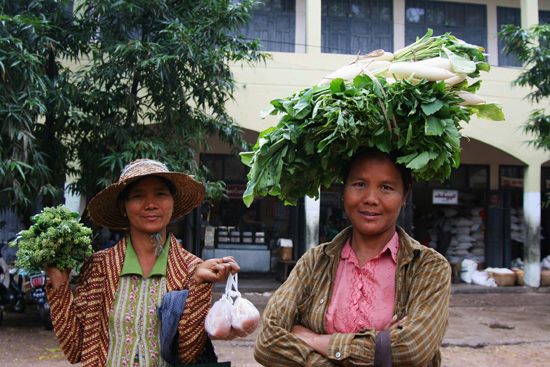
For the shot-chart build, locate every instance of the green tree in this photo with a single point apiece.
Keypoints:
(147, 78)
(32, 102)
(157, 83)
(530, 46)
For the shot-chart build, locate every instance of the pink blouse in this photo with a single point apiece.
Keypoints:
(363, 298)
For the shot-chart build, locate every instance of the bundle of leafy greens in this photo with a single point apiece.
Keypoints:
(56, 239)
(322, 127)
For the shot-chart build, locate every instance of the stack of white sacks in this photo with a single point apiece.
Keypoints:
(468, 229)
(517, 225)
(468, 241)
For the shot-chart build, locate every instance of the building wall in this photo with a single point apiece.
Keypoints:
(493, 143)
(288, 73)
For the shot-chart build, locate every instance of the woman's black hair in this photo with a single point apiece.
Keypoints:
(124, 193)
(406, 173)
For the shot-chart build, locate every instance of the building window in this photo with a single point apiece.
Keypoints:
(544, 16)
(356, 26)
(467, 22)
(225, 167)
(507, 16)
(511, 177)
(465, 177)
(274, 24)
(513, 16)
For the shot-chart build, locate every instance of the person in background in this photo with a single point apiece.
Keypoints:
(332, 230)
(111, 319)
(248, 223)
(371, 296)
(444, 236)
(342, 224)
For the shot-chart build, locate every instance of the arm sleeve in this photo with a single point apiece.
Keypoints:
(67, 312)
(192, 335)
(417, 341)
(289, 305)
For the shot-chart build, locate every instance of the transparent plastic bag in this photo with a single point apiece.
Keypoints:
(245, 317)
(218, 321)
(228, 319)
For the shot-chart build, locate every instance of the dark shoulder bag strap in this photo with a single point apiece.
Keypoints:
(382, 350)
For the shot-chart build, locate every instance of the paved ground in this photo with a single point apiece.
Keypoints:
(508, 328)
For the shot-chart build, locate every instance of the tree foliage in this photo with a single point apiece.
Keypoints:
(30, 36)
(530, 46)
(85, 92)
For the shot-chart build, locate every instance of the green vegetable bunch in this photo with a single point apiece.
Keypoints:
(322, 127)
(56, 239)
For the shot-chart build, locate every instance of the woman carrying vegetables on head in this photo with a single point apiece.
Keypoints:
(111, 319)
(373, 293)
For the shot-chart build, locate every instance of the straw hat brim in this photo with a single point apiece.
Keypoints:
(104, 210)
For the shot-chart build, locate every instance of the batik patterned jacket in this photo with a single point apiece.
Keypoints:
(81, 320)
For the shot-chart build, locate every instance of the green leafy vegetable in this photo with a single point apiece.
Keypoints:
(56, 239)
(320, 128)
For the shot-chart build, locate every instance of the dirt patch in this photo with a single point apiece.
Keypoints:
(530, 354)
(24, 342)
(470, 341)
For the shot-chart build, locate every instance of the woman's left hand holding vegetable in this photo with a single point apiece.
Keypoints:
(57, 277)
(216, 270)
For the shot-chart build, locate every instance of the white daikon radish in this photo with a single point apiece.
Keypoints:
(347, 72)
(371, 65)
(470, 98)
(408, 69)
(455, 79)
(438, 62)
(377, 55)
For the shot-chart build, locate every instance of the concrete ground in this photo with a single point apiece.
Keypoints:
(504, 327)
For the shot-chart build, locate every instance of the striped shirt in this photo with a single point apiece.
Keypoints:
(422, 292)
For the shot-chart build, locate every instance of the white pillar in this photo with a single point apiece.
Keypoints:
(531, 212)
(74, 202)
(313, 210)
(531, 184)
(313, 26)
(300, 39)
(492, 39)
(398, 24)
(529, 13)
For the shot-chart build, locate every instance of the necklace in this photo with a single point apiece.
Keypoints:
(156, 240)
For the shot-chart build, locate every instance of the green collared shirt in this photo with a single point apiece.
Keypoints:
(134, 327)
(132, 266)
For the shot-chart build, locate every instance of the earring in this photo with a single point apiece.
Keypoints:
(404, 205)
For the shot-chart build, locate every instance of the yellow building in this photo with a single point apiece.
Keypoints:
(499, 172)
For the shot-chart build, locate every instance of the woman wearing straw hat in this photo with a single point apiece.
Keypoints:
(111, 319)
